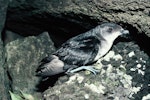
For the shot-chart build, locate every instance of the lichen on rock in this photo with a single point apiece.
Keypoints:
(23, 57)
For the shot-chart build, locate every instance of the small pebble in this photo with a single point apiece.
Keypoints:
(138, 65)
(131, 54)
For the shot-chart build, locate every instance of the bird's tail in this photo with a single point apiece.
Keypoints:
(49, 66)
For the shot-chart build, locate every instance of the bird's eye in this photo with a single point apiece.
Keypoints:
(110, 29)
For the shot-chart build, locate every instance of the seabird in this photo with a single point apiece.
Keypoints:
(81, 51)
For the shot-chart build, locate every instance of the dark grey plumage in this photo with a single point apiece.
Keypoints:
(81, 50)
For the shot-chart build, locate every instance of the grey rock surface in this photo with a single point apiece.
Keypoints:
(3, 10)
(124, 75)
(23, 57)
(75, 16)
(11, 36)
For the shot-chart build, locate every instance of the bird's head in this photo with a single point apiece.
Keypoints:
(110, 31)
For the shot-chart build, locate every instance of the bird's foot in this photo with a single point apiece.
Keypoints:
(89, 68)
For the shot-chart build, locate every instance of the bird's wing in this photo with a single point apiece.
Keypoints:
(79, 50)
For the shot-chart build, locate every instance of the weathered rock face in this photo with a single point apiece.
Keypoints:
(23, 57)
(3, 10)
(67, 18)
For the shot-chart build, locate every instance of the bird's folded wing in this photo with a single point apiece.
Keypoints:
(79, 51)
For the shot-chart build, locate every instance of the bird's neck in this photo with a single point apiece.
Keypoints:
(104, 47)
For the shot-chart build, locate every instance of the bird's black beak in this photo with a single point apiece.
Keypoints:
(125, 34)
(124, 31)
